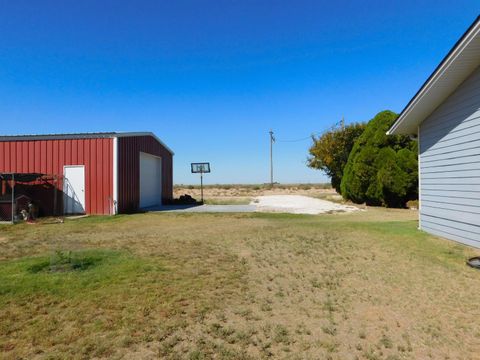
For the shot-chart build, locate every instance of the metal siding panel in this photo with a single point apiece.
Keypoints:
(75, 152)
(17, 166)
(120, 171)
(68, 152)
(80, 151)
(97, 156)
(7, 157)
(128, 170)
(54, 169)
(37, 150)
(24, 156)
(88, 177)
(61, 156)
(2, 155)
(91, 166)
(97, 166)
(50, 156)
(43, 156)
(450, 166)
(100, 168)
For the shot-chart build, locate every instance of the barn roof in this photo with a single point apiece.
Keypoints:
(93, 135)
(457, 65)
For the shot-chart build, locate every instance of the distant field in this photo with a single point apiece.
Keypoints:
(365, 285)
(243, 194)
(258, 186)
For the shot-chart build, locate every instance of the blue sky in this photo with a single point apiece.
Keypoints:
(211, 78)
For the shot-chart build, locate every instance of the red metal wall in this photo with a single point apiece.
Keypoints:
(49, 157)
(129, 149)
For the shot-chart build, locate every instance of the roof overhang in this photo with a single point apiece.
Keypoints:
(459, 63)
(102, 135)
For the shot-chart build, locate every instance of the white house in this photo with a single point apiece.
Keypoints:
(445, 115)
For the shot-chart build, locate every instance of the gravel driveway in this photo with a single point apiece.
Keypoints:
(294, 204)
(298, 204)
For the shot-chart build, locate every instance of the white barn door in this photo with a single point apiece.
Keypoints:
(74, 189)
(150, 180)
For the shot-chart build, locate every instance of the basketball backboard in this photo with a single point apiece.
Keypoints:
(200, 168)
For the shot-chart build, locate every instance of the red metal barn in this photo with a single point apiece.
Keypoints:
(102, 173)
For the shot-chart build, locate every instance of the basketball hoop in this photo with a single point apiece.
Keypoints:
(200, 168)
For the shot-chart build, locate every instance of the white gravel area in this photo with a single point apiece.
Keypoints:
(298, 204)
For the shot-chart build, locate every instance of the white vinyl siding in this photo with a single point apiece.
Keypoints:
(449, 159)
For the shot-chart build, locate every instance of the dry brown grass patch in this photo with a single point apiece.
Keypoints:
(365, 285)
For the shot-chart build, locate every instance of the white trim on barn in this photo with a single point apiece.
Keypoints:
(115, 177)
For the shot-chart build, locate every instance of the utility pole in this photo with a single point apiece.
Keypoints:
(272, 140)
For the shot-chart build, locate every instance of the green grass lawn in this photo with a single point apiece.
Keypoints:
(364, 285)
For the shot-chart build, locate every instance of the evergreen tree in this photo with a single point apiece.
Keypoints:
(381, 169)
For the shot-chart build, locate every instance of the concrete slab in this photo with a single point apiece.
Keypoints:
(293, 204)
(299, 204)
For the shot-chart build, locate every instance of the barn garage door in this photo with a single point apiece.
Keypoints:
(150, 180)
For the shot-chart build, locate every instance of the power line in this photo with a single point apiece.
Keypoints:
(297, 140)
(340, 123)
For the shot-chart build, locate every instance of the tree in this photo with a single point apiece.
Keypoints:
(381, 169)
(329, 152)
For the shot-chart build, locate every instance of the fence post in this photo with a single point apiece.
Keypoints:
(13, 197)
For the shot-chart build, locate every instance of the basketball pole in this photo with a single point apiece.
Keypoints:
(272, 140)
(201, 185)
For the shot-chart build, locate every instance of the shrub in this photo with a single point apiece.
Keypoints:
(413, 204)
(329, 152)
(381, 169)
